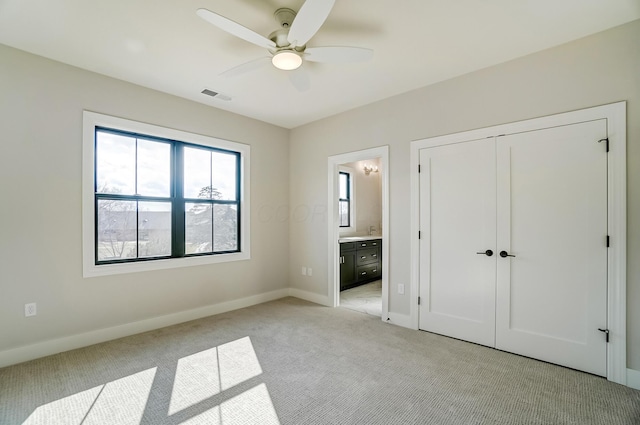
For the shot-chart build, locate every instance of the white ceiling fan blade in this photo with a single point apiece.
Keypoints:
(338, 54)
(235, 28)
(300, 79)
(308, 21)
(246, 67)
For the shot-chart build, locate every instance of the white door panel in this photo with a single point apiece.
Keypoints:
(457, 215)
(542, 197)
(552, 215)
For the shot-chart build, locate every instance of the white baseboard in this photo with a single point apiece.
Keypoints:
(403, 320)
(310, 296)
(46, 348)
(633, 378)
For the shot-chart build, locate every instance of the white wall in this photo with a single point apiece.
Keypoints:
(596, 70)
(368, 197)
(41, 104)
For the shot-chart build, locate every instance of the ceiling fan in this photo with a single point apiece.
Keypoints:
(288, 45)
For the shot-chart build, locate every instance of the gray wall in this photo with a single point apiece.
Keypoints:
(596, 70)
(41, 104)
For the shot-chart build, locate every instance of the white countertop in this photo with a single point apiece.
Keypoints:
(358, 238)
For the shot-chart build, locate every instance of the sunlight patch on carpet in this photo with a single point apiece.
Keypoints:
(119, 402)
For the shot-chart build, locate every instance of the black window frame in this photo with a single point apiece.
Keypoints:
(347, 199)
(176, 198)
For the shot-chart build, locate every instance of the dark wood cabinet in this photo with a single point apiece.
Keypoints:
(347, 265)
(360, 262)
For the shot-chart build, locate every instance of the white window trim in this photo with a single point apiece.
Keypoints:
(352, 200)
(90, 269)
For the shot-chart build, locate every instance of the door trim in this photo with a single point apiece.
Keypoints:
(334, 161)
(615, 114)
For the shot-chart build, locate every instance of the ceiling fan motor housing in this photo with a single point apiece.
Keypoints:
(280, 38)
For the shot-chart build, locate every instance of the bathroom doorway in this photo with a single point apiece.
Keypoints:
(358, 231)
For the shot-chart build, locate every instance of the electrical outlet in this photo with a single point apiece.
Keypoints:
(304, 271)
(401, 288)
(309, 272)
(30, 310)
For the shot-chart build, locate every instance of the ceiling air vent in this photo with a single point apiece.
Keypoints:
(216, 94)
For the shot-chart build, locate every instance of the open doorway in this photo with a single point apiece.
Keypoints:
(358, 230)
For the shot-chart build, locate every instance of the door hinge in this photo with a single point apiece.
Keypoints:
(419, 234)
(606, 142)
(418, 300)
(606, 333)
(419, 169)
(608, 241)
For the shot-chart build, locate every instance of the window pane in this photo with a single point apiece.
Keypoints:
(154, 229)
(116, 229)
(225, 227)
(115, 163)
(343, 213)
(344, 186)
(197, 173)
(154, 168)
(198, 228)
(223, 176)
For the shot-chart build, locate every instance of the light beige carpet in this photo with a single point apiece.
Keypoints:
(293, 362)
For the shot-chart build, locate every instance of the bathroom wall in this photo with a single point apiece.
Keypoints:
(368, 198)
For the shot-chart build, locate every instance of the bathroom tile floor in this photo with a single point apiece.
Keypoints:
(365, 298)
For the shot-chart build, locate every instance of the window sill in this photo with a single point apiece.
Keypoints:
(92, 270)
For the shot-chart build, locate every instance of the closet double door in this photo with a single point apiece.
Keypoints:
(513, 252)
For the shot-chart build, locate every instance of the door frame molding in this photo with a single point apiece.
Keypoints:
(615, 114)
(334, 162)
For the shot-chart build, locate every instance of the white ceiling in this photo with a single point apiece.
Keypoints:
(164, 45)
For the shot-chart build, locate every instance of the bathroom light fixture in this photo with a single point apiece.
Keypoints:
(368, 169)
(286, 60)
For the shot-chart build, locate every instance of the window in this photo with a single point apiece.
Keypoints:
(211, 213)
(344, 199)
(160, 194)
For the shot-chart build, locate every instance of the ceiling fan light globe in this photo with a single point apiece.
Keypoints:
(287, 60)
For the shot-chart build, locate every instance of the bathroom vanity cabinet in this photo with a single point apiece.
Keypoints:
(360, 261)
